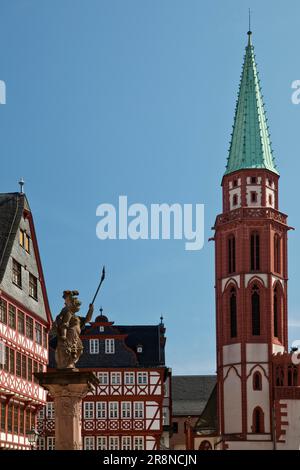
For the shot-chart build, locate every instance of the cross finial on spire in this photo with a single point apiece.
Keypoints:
(21, 183)
(249, 30)
(101, 311)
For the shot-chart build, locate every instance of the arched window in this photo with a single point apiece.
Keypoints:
(231, 254)
(205, 445)
(258, 425)
(255, 252)
(277, 253)
(257, 381)
(233, 314)
(255, 304)
(275, 312)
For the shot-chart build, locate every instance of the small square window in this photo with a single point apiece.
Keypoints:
(101, 329)
(253, 180)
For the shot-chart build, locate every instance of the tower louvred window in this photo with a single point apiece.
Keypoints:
(255, 303)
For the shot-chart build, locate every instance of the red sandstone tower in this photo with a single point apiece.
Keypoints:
(251, 274)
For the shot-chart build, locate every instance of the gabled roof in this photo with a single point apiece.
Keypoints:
(190, 393)
(11, 210)
(250, 145)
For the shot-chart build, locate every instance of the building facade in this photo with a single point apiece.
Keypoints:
(24, 322)
(130, 409)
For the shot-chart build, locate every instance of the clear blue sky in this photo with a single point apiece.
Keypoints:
(136, 97)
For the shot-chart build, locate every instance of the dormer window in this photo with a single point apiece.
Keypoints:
(101, 329)
(139, 348)
(110, 346)
(94, 346)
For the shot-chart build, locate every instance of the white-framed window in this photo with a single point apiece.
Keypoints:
(142, 378)
(126, 409)
(40, 443)
(101, 329)
(103, 378)
(94, 346)
(129, 378)
(41, 413)
(89, 443)
(126, 442)
(101, 410)
(101, 442)
(88, 410)
(113, 443)
(50, 413)
(115, 378)
(138, 443)
(109, 346)
(138, 407)
(113, 409)
(50, 443)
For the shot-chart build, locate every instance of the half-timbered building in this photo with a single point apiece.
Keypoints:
(130, 409)
(24, 322)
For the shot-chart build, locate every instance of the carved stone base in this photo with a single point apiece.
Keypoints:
(67, 387)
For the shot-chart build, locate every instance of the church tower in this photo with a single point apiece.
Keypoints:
(251, 274)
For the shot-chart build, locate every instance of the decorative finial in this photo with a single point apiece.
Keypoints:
(249, 30)
(161, 319)
(21, 183)
(101, 311)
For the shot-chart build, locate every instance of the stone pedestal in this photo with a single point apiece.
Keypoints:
(68, 387)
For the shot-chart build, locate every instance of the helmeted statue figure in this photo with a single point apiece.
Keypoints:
(67, 328)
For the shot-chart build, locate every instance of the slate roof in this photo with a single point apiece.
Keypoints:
(11, 210)
(208, 420)
(190, 393)
(250, 145)
(150, 337)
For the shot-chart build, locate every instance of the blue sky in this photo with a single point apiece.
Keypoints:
(136, 97)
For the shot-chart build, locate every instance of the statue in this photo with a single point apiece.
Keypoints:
(67, 328)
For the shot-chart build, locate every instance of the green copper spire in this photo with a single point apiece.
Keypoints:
(250, 145)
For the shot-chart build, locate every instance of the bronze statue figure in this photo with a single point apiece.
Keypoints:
(67, 327)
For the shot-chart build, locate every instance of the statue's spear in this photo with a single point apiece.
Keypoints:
(98, 288)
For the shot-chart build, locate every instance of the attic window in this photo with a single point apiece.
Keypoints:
(101, 329)
(139, 348)
(253, 180)
(24, 240)
(235, 183)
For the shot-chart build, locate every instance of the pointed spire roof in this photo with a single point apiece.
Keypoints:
(250, 145)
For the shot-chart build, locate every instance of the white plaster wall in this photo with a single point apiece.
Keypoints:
(270, 192)
(248, 445)
(292, 436)
(232, 402)
(257, 352)
(232, 192)
(277, 348)
(237, 279)
(263, 277)
(258, 397)
(232, 353)
(257, 190)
